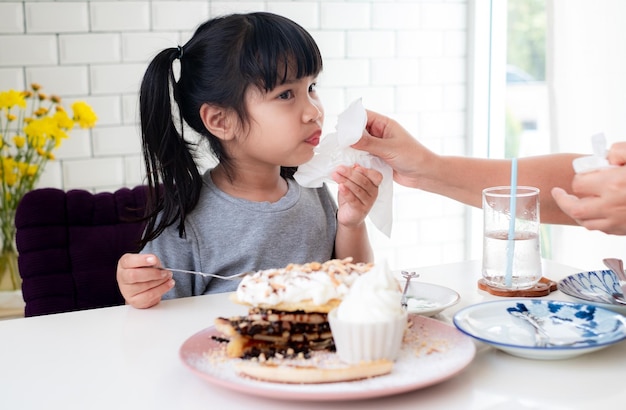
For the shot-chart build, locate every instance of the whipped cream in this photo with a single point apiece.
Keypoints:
(374, 297)
(314, 282)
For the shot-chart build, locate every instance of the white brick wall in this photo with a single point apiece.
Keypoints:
(404, 58)
(90, 48)
(56, 17)
(120, 16)
(11, 18)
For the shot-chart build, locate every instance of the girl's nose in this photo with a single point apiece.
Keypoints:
(314, 113)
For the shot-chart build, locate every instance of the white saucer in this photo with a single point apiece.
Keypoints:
(427, 299)
(590, 327)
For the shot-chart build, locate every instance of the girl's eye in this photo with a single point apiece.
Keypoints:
(313, 87)
(285, 95)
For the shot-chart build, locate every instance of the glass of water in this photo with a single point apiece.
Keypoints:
(511, 243)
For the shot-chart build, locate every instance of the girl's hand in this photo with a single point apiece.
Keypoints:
(141, 282)
(358, 189)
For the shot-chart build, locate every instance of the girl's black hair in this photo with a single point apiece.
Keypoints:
(225, 56)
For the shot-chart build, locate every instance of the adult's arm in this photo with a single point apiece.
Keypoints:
(463, 178)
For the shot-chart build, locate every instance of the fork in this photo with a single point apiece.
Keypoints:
(208, 275)
(541, 337)
(588, 342)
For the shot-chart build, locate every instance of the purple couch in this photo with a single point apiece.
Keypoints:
(69, 244)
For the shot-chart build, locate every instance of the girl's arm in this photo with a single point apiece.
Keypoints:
(354, 242)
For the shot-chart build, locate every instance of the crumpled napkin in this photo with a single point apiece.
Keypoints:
(596, 161)
(334, 150)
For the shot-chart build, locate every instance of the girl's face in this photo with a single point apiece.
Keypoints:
(284, 126)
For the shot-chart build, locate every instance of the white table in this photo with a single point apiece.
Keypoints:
(125, 358)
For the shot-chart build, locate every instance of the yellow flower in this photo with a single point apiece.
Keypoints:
(40, 130)
(8, 171)
(84, 115)
(41, 111)
(22, 167)
(32, 170)
(19, 141)
(63, 120)
(32, 126)
(58, 136)
(11, 98)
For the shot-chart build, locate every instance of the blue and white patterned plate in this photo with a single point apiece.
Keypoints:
(593, 287)
(573, 329)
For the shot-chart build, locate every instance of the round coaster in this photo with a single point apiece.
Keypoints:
(544, 287)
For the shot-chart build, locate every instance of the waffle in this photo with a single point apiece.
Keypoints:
(270, 333)
(314, 372)
(288, 309)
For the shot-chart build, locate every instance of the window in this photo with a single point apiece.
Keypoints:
(510, 96)
(545, 75)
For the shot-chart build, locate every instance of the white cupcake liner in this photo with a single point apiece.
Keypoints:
(364, 342)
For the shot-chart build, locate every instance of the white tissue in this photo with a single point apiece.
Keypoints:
(597, 160)
(334, 150)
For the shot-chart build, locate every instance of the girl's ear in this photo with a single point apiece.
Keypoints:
(218, 121)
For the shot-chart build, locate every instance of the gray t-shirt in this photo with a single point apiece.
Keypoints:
(227, 235)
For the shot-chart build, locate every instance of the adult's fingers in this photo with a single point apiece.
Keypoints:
(617, 153)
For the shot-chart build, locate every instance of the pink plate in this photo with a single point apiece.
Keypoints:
(432, 352)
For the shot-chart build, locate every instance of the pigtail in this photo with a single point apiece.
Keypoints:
(173, 177)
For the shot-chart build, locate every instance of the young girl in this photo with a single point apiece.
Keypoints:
(247, 86)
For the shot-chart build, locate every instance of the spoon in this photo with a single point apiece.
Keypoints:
(408, 276)
(619, 298)
(617, 266)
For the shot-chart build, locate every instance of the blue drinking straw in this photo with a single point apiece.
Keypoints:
(510, 247)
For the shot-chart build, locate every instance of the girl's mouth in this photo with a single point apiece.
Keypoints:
(314, 139)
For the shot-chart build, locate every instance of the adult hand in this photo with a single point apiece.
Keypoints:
(386, 139)
(598, 200)
(140, 280)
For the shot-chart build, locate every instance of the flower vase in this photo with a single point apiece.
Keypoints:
(10, 279)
